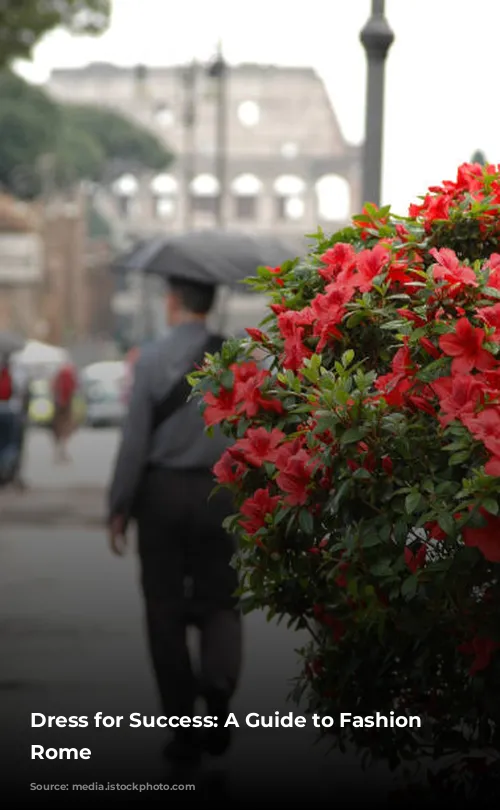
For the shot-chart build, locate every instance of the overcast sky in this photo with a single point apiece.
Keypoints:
(442, 71)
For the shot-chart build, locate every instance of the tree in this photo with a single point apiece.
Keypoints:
(89, 143)
(122, 141)
(24, 22)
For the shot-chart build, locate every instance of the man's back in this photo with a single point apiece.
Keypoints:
(180, 443)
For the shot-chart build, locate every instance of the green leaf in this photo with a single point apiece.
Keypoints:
(347, 358)
(227, 380)
(409, 587)
(459, 458)
(371, 540)
(306, 521)
(491, 505)
(412, 502)
(446, 523)
(381, 569)
(352, 435)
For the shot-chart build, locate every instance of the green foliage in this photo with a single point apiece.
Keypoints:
(24, 22)
(87, 143)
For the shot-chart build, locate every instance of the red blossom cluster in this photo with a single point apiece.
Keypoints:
(244, 398)
(433, 354)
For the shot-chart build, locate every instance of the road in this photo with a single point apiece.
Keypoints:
(72, 642)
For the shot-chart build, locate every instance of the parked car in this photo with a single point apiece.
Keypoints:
(104, 391)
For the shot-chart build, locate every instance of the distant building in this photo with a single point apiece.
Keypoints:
(21, 265)
(289, 168)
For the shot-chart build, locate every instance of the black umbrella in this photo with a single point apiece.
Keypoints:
(10, 343)
(208, 257)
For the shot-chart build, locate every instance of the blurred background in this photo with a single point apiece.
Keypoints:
(195, 115)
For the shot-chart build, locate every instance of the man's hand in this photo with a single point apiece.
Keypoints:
(117, 536)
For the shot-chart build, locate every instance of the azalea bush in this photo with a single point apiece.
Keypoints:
(365, 469)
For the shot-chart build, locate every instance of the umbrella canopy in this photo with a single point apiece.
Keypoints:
(208, 257)
(41, 359)
(10, 343)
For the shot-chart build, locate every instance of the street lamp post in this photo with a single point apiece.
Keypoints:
(218, 70)
(189, 133)
(376, 37)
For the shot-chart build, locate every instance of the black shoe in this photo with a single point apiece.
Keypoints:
(185, 748)
(217, 740)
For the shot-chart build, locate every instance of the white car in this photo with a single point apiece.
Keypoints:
(104, 386)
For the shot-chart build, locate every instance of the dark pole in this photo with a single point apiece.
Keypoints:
(218, 71)
(376, 37)
(189, 135)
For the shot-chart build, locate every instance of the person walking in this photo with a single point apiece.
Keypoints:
(22, 395)
(64, 388)
(163, 479)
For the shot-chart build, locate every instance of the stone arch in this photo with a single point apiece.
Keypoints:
(333, 196)
(205, 185)
(204, 193)
(164, 188)
(245, 190)
(289, 190)
(125, 188)
(164, 185)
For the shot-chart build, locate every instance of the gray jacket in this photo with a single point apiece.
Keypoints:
(180, 442)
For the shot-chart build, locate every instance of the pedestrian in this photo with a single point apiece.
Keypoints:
(22, 394)
(6, 381)
(163, 478)
(64, 388)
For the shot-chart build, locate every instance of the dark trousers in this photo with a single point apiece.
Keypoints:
(187, 579)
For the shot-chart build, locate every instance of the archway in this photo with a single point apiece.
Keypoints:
(164, 188)
(289, 190)
(204, 193)
(246, 189)
(333, 195)
(125, 189)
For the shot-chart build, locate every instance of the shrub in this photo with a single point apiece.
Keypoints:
(365, 467)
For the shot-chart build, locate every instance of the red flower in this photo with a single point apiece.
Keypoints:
(458, 397)
(493, 264)
(295, 352)
(411, 316)
(370, 264)
(295, 477)
(492, 467)
(395, 386)
(491, 317)
(485, 427)
(228, 470)
(416, 560)
(256, 508)
(259, 445)
(435, 531)
(429, 347)
(329, 309)
(482, 649)
(387, 465)
(449, 269)
(338, 259)
(219, 408)
(486, 538)
(248, 397)
(257, 335)
(466, 347)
